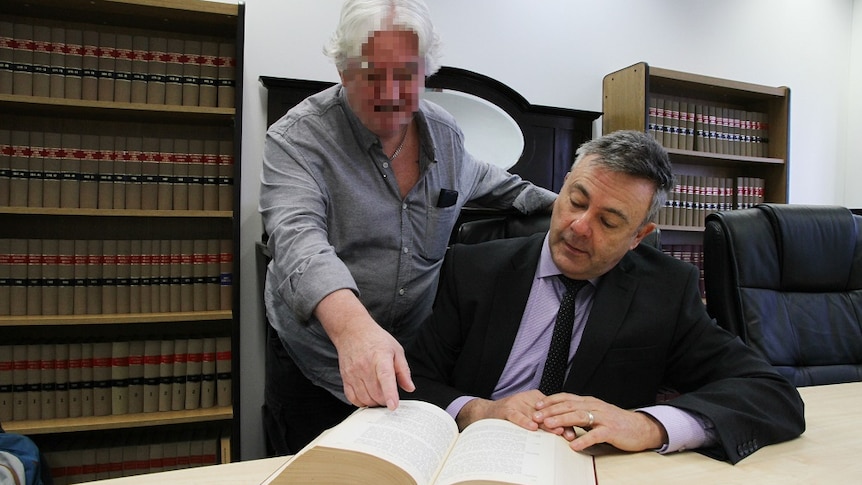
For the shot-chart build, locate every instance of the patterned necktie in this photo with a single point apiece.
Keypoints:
(561, 340)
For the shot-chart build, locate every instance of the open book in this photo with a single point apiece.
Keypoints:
(419, 444)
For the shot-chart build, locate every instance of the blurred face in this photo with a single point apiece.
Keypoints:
(384, 83)
(597, 218)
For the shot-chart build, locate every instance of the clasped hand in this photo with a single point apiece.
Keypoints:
(561, 413)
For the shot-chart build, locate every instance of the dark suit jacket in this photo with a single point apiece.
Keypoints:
(648, 328)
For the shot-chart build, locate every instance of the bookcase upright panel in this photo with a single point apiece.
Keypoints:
(119, 167)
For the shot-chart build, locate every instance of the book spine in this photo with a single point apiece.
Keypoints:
(226, 274)
(107, 65)
(36, 169)
(194, 368)
(61, 378)
(34, 277)
(156, 70)
(105, 168)
(187, 294)
(48, 380)
(41, 47)
(94, 276)
(152, 364)
(175, 272)
(165, 196)
(19, 168)
(208, 95)
(174, 72)
(57, 63)
(19, 382)
(74, 57)
(70, 156)
(51, 169)
(89, 163)
(223, 371)
(34, 387)
(136, 376)
(166, 370)
(109, 277)
(132, 157)
(6, 150)
(75, 379)
(226, 75)
(120, 352)
(120, 179)
(124, 274)
(7, 56)
(6, 382)
(178, 381)
(210, 157)
(102, 385)
(208, 373)
(191, 72)
(140, 52)
(50, 276)
(90, 65)
(79, 288)
(123, 55)
(225, 175)
(18, 257)
(180, 182)
(22, 59)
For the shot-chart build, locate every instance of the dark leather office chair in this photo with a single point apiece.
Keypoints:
(788, 280)
(514, 225)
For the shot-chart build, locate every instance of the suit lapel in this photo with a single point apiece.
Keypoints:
(611, 302)
(509, 298)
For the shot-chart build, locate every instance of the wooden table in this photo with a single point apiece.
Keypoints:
(830, 451)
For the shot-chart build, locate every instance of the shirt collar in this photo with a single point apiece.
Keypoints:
(366, 139)
(547, 268)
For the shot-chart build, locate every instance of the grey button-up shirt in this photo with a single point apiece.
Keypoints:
(336, 219)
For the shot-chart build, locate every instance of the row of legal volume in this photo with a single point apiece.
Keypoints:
(69, 380)
(91, 276)
(71, 170)
(695, 125)
(696, 196)
(76, 459)
(92, 62)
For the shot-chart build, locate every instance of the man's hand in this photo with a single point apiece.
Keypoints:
(517, 408)
(371, 361)
(605, 423)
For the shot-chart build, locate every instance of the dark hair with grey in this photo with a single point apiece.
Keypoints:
(361, 18)
(633, 153)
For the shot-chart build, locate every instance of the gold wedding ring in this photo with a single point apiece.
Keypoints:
(590, 419)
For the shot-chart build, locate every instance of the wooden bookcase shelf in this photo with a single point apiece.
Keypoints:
(109, 110)
(198, 133)
(138, 420)
(115, 319)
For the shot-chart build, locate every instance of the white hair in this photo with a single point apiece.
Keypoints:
(361, 18)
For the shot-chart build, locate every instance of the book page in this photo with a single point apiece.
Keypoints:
(416, 437)
(498, 451)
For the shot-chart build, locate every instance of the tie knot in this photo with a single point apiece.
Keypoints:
(572, 285)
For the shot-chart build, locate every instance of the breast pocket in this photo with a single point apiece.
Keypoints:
(439, 222)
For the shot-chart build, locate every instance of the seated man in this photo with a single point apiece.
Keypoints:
(639, 326)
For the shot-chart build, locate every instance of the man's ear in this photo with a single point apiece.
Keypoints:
(642, 233)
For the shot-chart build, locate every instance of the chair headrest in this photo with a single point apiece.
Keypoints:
(816, 245)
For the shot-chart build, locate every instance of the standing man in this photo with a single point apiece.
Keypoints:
(628, 319)
(361, 187)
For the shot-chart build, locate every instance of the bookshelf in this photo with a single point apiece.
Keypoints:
(119, 175)
(727, 141)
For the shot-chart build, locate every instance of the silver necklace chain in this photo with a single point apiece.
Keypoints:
(400, 145)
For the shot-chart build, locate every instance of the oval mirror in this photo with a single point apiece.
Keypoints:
(490, 134)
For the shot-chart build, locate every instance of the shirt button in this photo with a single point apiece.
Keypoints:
(406, 250)
(404, 207)
(401, 292)
(385, 164)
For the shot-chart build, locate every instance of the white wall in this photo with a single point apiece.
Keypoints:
(555, 52)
